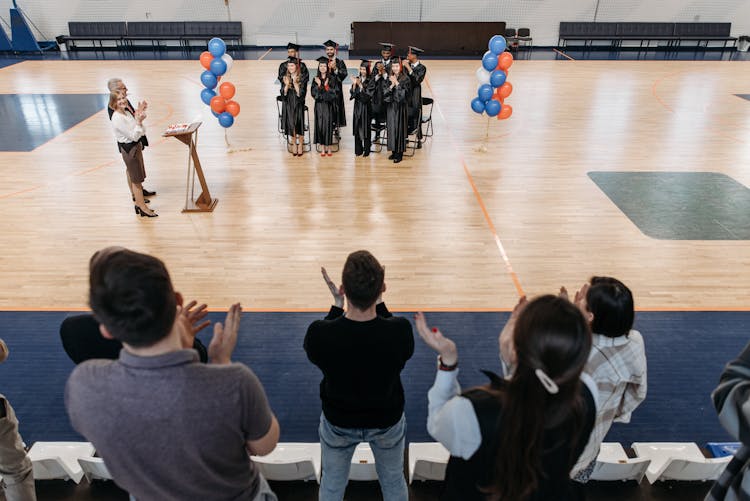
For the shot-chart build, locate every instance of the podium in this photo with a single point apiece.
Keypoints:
(188, 134)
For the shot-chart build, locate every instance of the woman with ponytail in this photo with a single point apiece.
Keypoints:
(517, 438)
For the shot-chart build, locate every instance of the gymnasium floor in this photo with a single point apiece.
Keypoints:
(635, 169)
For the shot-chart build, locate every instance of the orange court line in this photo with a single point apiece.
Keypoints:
(563, 54)
(506, 260)
(265, 54)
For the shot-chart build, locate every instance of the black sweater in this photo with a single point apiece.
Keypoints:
(361, 364)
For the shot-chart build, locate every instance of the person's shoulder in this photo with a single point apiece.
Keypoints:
(91, 372)
(635, 337)
(397, 320)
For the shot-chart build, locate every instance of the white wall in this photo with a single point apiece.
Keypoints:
(309, 22)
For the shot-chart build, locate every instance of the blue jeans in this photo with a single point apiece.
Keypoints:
(337, 447)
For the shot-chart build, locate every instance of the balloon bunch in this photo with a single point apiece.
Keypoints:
(217, 63)
(493, 84)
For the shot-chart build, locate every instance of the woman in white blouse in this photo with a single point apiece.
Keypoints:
(128, 129)
(517, 438)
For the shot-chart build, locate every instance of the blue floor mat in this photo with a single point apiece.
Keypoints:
(686, 353)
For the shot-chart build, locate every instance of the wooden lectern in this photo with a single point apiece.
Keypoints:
(204, 202)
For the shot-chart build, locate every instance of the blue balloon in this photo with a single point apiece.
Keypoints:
(226, 120)
(477, 105)
(206, 95)
(485, 92)
(492, 107)
(497, 78)
(489, 61)
(218, 66)
(217, 47)
(208, 79)
(497, 45)
(215, 114)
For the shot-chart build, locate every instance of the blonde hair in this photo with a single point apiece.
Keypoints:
(113, 98)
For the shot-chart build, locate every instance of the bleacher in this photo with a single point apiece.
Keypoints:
(131, 35)
(671, 34)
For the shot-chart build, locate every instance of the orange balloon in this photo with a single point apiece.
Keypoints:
(218, 104)
(504, 90)
(505, 112)
(505, 60)
(227, 90)
(206, 59)
(233, 108)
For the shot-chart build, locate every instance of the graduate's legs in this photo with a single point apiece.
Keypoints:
(358, 150)
(367, 145)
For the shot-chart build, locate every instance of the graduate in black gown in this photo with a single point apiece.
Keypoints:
(396, 93)
(292, 50)
(337, 68)
(386, 54)
(293, 93)
(324, 88)
(361, 93)
(377, 83)
(416, 72)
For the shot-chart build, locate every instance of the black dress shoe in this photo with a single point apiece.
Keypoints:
(366, 154)
(419, 145)
(391, 156)
(397, 159)
(147, 193)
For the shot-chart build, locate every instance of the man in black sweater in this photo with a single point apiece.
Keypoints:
(361, 352)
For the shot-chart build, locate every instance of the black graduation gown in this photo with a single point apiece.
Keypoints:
(362, 110)
(376, 92)
(293, 110)
(325, 108)
(396, 100)
(341, 73)
(304, 74)
(415, 100)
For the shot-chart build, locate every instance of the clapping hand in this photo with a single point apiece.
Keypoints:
(433, 338)
(317, 81)
(336, 292)
(507, 347)
(394, 80)
(191, 322)
(225, 337)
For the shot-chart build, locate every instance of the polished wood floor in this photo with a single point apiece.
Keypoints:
(485, 211)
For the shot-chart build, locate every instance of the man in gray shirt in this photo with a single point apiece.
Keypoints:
(167, 426)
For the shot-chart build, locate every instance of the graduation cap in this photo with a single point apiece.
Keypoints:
(294, 60)
(415, 50)
(323, 60)
(365, 63)
(292, 46)
(385, 45)
(330, 43)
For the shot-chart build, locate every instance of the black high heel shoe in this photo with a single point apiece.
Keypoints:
(140, 211)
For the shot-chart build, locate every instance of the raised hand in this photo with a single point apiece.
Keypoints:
(225, 337)
(507, 347)
(336, 292)
(433, 338)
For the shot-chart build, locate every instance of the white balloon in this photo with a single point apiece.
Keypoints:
(483, 75)
(228, 59)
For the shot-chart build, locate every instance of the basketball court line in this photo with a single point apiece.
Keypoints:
(265, 54)
(488, 219)
(563, 54)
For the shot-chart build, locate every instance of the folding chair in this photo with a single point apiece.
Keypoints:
(291, 461)
(94, 469)
(613, 463)
(427, 103)
(427, 461)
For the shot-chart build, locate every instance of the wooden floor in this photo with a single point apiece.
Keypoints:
(487, 210)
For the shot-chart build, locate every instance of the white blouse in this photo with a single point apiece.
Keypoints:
(125, 128)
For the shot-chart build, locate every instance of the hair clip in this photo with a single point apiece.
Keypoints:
(548, 384)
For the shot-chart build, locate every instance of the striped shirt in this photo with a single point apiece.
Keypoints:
(618, 366)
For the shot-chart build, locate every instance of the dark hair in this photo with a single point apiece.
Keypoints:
(328, 71)
(132, 295)
(551, 334)
(611, 302)
(362, 279)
